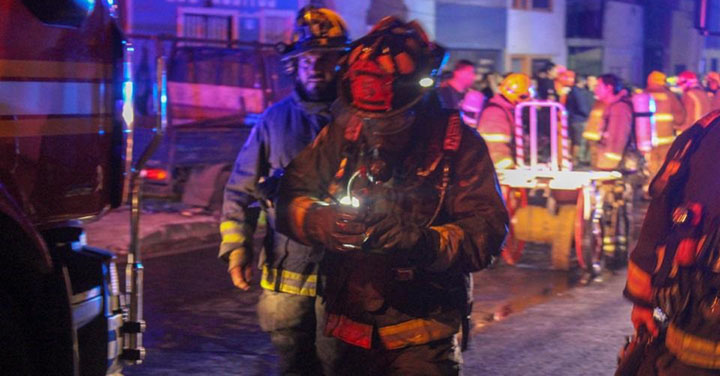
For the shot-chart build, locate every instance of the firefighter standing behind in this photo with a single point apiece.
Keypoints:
(497, 120)
(610, 124)
(287, 308)
(669, 114)
(695, 100)
(423, 208)
(676, 264)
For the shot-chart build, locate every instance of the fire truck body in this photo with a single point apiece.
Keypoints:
(61, 163)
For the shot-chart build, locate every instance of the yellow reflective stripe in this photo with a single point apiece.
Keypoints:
(289, 282)
(496, 137)
(597, 113)
(592, 136)
(664, 117)
(659, 96)
(638, 282)
(613, 156)
(415, 332)
(664, 140)
(504, 163)
(229, 225)
(693, 350)
(233, 238)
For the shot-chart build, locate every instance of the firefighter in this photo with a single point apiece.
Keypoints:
(497, 120)
(694, 99)
(674, 266)
(288, 308)
(405, 198)
(668, 115)
(608, 129)
(564, 82)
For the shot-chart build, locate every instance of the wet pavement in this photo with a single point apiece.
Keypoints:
(527, 320)
(199, 324)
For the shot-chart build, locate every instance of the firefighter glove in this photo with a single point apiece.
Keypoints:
(393, 233)
(336, 227)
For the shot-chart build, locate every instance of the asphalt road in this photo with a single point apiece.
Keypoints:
(527, 321)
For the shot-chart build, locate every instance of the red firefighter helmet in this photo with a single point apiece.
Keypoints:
(687, 79)
(390, 69)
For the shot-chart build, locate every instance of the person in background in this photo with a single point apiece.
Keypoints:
(694, 99)
(669, 114)
(288, 308)
(452, 91)
(578, 104)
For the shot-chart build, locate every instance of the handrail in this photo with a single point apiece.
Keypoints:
(133, 351)
(560, 157)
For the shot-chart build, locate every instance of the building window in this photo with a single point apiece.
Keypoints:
(584, 19)
(533, 4)
(207, 26)
(528, 64)
(714, 65)
(586, 61)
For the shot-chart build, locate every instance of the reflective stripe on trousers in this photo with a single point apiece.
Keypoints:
(408, 333)
(288, 282)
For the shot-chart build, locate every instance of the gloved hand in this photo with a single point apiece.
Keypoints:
(642, 316)
(391, 232)
(337, 228)
(240, 268)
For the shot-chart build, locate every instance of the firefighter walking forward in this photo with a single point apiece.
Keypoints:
(676, 264)
(288, 308)
(406, 199)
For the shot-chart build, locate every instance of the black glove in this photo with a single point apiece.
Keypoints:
(392, 233)
(335, 227)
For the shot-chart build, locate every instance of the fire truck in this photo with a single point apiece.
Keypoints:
(63, 148)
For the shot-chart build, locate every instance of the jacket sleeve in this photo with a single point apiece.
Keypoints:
(307, 181)
(238, 218)
(478, 219)
(497, 130)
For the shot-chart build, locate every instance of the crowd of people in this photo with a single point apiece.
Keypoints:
(381, 197)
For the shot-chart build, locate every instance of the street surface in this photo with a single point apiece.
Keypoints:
(527, 321)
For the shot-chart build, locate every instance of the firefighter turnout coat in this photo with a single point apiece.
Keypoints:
(398, 298)
(497, 128)
(668, 116)
(608, 133)
(281, 133)
(697, 104)
(676, 264)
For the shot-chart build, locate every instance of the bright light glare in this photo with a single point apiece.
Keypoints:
(426, 82)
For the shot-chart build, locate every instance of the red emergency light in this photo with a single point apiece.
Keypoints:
(156, 174)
